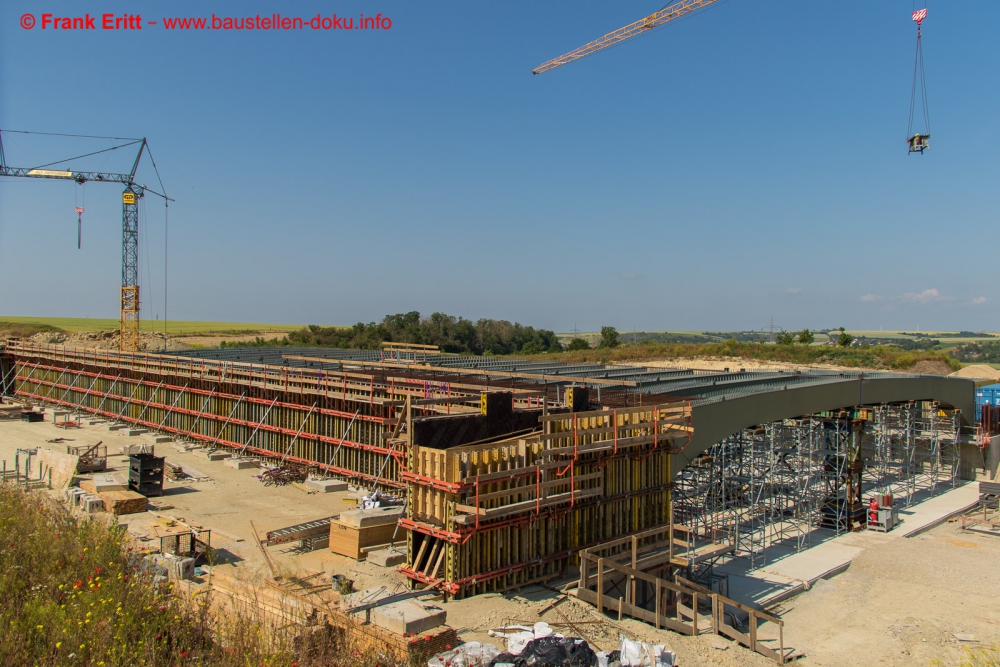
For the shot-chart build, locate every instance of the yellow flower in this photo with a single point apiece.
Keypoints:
(58, 644)
(39, 627)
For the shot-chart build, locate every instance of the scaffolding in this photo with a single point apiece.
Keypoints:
(778, 484)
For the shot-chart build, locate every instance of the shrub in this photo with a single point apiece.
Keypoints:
(71, 593)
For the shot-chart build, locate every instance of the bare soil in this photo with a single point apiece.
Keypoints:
(900, 603)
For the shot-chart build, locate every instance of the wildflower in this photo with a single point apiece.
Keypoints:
(39, 627)
(58, 644)
(78, 584)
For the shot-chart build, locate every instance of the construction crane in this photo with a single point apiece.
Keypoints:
(917, 142)
(660, 18)
(131, 196)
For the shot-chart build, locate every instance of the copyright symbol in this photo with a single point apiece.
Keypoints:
(27, 21)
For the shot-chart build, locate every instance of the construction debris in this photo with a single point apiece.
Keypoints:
(284, 474)
(92, 458)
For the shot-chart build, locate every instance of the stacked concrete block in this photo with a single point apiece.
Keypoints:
(92, 504)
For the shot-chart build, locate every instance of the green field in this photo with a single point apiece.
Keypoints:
(174, 327)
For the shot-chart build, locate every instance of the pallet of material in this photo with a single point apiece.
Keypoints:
(123, 502)
(10, 411)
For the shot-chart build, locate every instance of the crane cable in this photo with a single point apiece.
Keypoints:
(918, 74)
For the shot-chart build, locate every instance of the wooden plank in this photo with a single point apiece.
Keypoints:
(123, 502)
(524, 506)
(680, 407)
(609, 430)
(623, 443)
(638, 612)
(530, 487)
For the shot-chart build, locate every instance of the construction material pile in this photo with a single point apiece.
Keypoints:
(284, 474)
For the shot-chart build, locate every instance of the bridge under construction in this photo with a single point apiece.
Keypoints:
(510, 468)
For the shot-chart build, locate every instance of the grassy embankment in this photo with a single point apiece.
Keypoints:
(853, 357)
(71, 594)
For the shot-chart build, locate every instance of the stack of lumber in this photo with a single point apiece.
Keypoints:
(10, 411)
(123, 502)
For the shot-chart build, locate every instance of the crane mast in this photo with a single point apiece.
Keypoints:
(662, 17)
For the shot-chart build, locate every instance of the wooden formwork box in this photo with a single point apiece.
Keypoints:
(355, 542)
(535, 502)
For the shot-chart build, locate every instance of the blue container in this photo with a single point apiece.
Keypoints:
(988, 395)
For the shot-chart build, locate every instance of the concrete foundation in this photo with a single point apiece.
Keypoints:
(162, 438)
(240, 463)
(388, 557)
(218, 455)
(138, 431)
(117, 427)
(408, 617)
(326, 485)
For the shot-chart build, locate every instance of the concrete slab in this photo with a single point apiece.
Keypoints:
(218, 455)
(408, 617)
(387, 557)
(109, 482)
(138, 431)
(117, 427)
(377, 516)
(240, 463)
(326, 485)
(162, 439)
(788, 572)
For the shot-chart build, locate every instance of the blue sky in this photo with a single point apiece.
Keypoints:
(744, 163)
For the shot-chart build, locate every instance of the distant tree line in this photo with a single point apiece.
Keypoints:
(988, 353)
(451, 334)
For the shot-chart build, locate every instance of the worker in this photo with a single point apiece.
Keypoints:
(873, 510)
